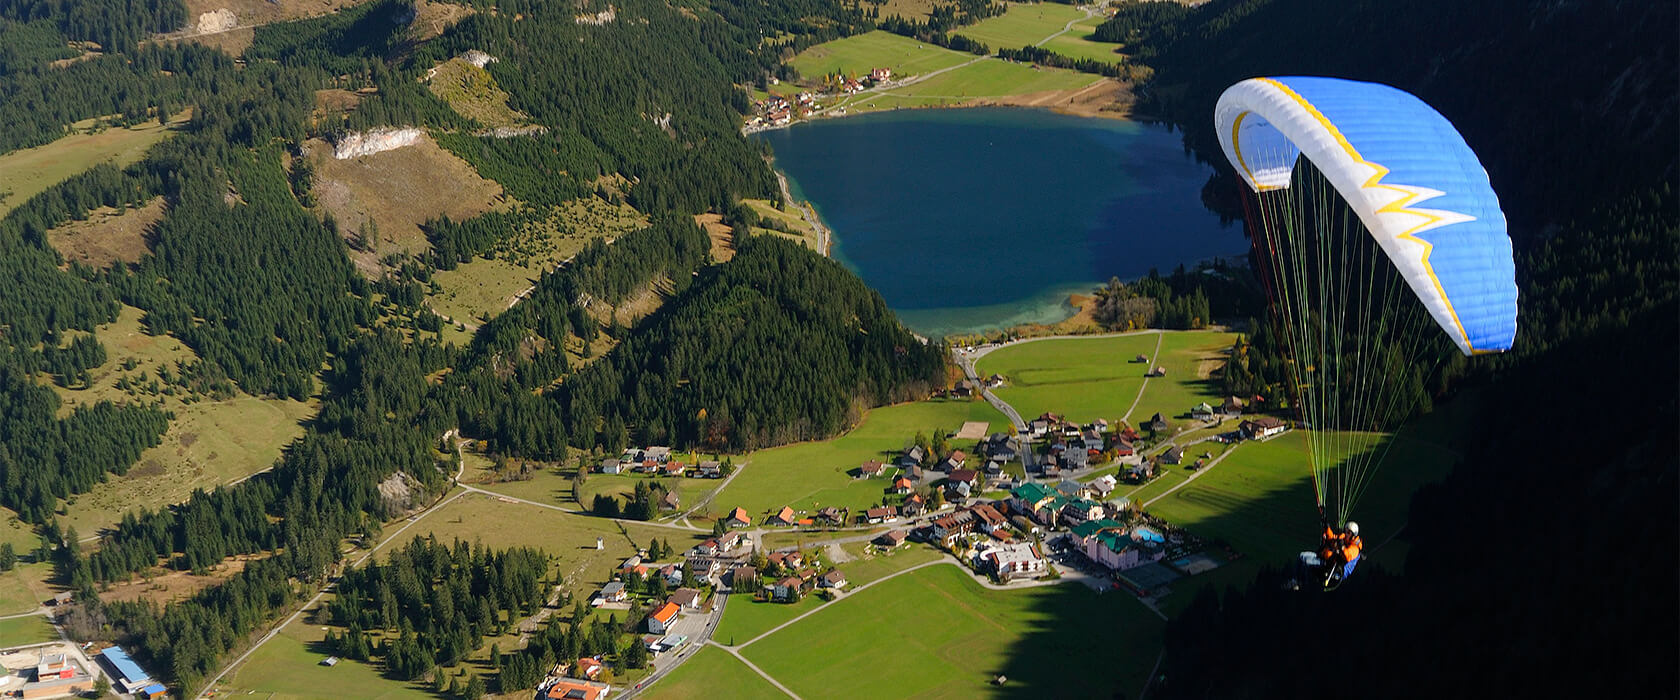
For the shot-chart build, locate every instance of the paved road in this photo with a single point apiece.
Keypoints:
(663, 667)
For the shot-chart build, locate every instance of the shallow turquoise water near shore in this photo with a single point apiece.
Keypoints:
(970, 219)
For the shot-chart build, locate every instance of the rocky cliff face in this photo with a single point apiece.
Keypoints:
(367, 143)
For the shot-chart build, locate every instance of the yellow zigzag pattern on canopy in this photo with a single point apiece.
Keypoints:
(1432, 217)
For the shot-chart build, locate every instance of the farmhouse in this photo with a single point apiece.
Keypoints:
(891, 538)
(900, 486)
(1173, 455)
(738, 518)
(955, 462)
(871, 469)
(883, 514)
(1102, 486)
(710, 469)
(913, 506)
(1262, 427)
(832, 579)
(1123, 448)
(1233, 406)
(611, 466)
(672, 573)
(686, 598)
(789, 588)
(1139, 473)
(784, 516)
(1202, 411)
(1157, 424)
(662, 618)
(613, 592)
(672, 469)
(879, 74)
(669, 501)
(832, 515)
(912, 457)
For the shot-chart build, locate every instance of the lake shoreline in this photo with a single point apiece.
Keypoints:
(1089, 197)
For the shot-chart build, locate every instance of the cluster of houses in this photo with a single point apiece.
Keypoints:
(658, 461)
(1231, 408)
(576, 681)
(1072, 446)
(777, 110)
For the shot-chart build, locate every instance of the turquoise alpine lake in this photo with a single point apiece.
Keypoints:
(973, 219)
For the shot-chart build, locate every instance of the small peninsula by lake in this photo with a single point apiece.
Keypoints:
(974, 219)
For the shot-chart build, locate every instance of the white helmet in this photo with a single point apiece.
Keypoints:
(1353, 528)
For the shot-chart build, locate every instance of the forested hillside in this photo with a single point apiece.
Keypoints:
(255, 278)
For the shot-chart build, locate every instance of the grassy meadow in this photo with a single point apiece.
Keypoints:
(288, 666)
(1080, 378)
(857, 55)
(473, 93)
(569, 538)
(937, 633)
(712, 670)
(1191, 358)
(813, 475)
(209, 443)
(27, 172)
(745, 618)
(18, 631)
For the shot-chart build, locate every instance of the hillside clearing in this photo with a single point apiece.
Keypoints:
(108, 235)
(209, 443)
(27, 172)
(390, 194)
(472, 92)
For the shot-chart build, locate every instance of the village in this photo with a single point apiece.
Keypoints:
(1043, 507)
(777, 110)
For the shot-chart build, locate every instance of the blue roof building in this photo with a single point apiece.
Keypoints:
(129, 673)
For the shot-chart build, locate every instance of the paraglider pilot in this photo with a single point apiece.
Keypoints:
(1338, 553)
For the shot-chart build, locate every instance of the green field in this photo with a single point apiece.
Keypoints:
(288, 666)
(1080, 378)
(569, 538)
(1029, 24)
(857, 55)
(24, 587)
(814, 475)
(937, 633)
(994, 78)
(1260, 500)
(710, 672)
(473, 93)
(745, 618)
(865, 567)
(26, 173)
(26, 630)
(1191, 358)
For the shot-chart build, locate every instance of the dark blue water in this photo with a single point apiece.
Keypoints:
(971, 219)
